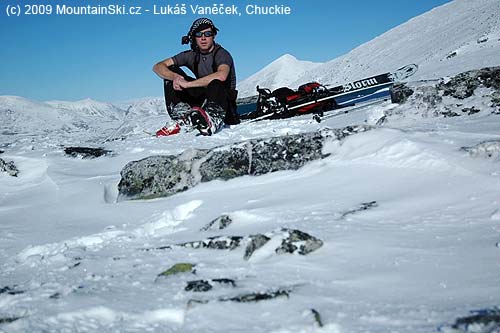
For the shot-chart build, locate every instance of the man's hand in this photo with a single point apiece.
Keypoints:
(180, 83)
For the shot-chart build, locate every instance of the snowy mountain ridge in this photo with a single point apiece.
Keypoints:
(455, 37)
(74, 120)
(278, 73)
(449, 39)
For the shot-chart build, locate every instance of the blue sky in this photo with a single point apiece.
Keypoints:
(109, 58)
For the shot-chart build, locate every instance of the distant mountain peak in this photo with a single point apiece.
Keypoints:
(287, 57)
(280, 72)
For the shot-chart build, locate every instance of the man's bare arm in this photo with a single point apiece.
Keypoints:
(221, 74)
(161, 69)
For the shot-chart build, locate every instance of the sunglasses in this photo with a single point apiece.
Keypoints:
(206, 34)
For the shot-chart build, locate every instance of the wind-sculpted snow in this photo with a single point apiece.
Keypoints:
(158, 176)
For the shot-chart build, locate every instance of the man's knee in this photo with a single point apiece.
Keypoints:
(215, 84)
(176, 69)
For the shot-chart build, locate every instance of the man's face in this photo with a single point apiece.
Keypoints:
(205, 43)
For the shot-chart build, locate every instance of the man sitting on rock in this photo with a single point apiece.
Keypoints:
(208, 101)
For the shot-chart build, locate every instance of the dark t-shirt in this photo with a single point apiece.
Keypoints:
(205, 66)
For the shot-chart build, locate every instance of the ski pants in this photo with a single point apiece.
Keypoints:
(216, 92)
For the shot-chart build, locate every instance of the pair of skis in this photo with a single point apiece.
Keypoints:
(336, 97)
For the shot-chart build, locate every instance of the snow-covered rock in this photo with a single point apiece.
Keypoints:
(464, 94)
(158, 176)
(9, 168)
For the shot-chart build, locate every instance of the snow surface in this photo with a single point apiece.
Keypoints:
(76, 260)
(423, 256)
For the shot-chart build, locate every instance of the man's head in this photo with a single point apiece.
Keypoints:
(201, 35)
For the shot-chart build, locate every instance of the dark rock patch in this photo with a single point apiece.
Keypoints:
(451, 55)
(292, 241)
(252, 297)
(255, 243)
(8, 320)
(317, 317)
(222, 222)
(55, 295)
(362, 207)
(216, 243)
(158, 176)
(450, 114)
(198, 286)
(485, 149)
(178, 268)
(400, 93)
(470, 111)
(225, 281)
(258, 296)
(481, 40)
(480, 321)
(10, 291)
(204, 285)
(463, 85)
(445, 98)
(86, 152)
(299, 242)
(9, 167)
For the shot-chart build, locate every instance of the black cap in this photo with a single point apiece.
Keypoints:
(198, 25)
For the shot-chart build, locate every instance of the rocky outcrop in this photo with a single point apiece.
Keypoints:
(204, 285)
(158, 176)
(222, 222)
(258, 296)
(252, 297)
(86, 152)
(481, 321)
(362, 207)
(400, 93)
(485, 149)
(9, 168)
(10, 290)
(292, 241)
(464, 84)
(198, 286)
(255, 243)
(8, 320)
(178, 269)
(296, 241)
(215, 243)
(450, 98)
